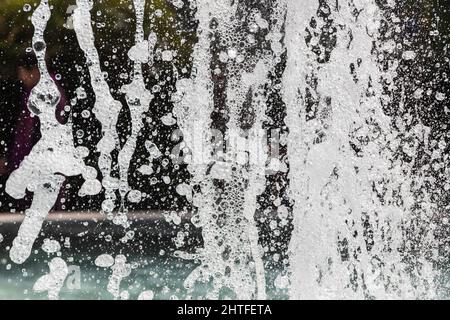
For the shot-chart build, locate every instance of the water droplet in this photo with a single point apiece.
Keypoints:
(85, 114)
(409, 55)
(39, 46)
(440, 96)
(146, 295)
(134, 196)
(104, 260)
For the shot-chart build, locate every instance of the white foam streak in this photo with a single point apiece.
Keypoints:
(106, 108)
(331, 186)
(138, 99)
(54, 155)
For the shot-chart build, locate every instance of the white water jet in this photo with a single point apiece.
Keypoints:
(106, 108)
(354, 202)
(137, 96)
(120, 270)
(54, 155)
(331, 254)
(192, 106)
(231, 257)
(54, 280)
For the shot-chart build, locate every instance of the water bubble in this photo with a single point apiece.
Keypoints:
(223, 57)
(146, 295)
(104, 261)
(51, 246)
(82, 151)
(121, 220)
(156, 88)
(108, 205)
(85, 114)
(409, 55)
(91, 186)
(167, 55)
(27, 7)
(253, 27)
(232, 53)
(418, 93)
(79, 133)
(145, 169)
(168, 120)
(440, 96)
(81, 93)
(134, 196)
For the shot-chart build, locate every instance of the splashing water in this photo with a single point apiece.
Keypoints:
(106, 108)
(294, 125)
(53, 282)
(137, 96)
(52, 158)
(336, 204)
